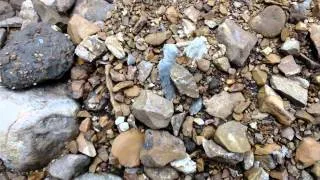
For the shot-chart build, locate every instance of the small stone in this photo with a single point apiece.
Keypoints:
(85, 125)
(233, 136)
(222, 64)
(188, 27)
(166, 173)
(122, 85)
(187, 127)
(198, 121)
(308, 152)
(186, 165)
(316, 169)
(257, 174)
(102, 176)
(161, 148)
(93, 10)
(281, 175)
(301, 114)
(315, 37)
(28, 13)
(192, 13)
(269, 22)
(266, 51)
(134, 91)
(144, 70)
(248, 160)
(3, 36)
(123, 127)
(116, 76)
(267, 149)
(273, 59)
(291, 47)
(196, 106)
(172, 15)
(288, 133)
(119, 120)
(90, 48)
(115, 47)
(291, 89)
(152, 110)
(203, 65)
(288, 66)
(314, 109)
(242, 106)
(156, 39)
(86, 147)
(239, 42)
(259, 76)
(176, 122)
(126, 147)
(184, 81)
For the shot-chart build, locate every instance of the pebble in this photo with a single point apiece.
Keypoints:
(85, 146)
(187, 126)
(316, 169)
(156, 39)
(94, 10)
(166, 173)
(273, 59)
(186, 165)
(196, 106)
(144, 70)
(115, 47)
(123, 127)
(259, 76)
(291, 47)
(116, 76)
(28, 13)
(222, 64)
(176, 122)
(308, 151)
(134, 91)
(122, 85)
(172, 15)
(192, 13)
(257, 174)
(188, 27)
(14, 22)
(102, 176)
(248, 160)
(198, 121)
(203, 65)
(288, 66)
(288, 133)
(90, 48)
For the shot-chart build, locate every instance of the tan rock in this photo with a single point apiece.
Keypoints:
(316, 169)
(122, 85)
(126, 147)
(256, 174)
(267, 149)
(192, 13)
(85, 125)
(259, 76)
(115, 47)
(281, 175)
(273, 59)
(79, 28)
(172, 15)
(134, 91)
(308, 152)
(156, 39)
(85, 146)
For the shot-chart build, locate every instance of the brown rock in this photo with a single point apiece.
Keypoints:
(122, 85)
(308, 152)
(86, 147)
(85, 125)
(259, 76)
(134, 91)
(273, 59)
(116, 76)
(172, 15)
(126, 147)
(187, 126)
(266, 149)
(281, 175)
(156, 39)
(203, 65)
(166, 173)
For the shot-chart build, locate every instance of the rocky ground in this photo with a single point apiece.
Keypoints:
(167, 89)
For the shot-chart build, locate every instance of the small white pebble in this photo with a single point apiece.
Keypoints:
(119, 120)
(123, 127)
(199, 121)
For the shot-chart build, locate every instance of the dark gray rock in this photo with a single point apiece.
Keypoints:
(34, 55)
(3, 36)
(6, 10)
(69, 166)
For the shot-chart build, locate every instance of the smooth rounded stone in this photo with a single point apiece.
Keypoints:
(161, 148)
(152, 110)
(166, 173)
(156, 39)
(93, 10)
(291, 89)
(6, 10)
(291, 47)
(35, 126)
(34, 55)
(218, 153)
(102, 176)
(90, 48)
(176, 122)
(184, 81)
(288, 66)
(186, 165)
(256, 174)
(69, 166)
(126, 147)
(269, 22)
(203, 65)
(239, 43)
(233, 136)
(308, 152)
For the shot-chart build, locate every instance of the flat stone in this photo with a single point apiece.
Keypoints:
(291, 89)
(288, 66)
(122, 85)
(186, 165)
(161, 148)
(85, 146)
(25, 122)
(93, 10)
(115, 47)
(304, 115)
(273, 59)
(102, 176)
(166, 173)
(79, 28)
(196, 106)
(315, 37)
(260, 76)
(144, 70)
(291, 47)
(188, 27)
(269, 22)
(308, 152)
(6, 10)
(221, 105)
(239, 43)
(90, 48)
(176, 122)
(69, 166)
(184, 81)
(257, 174)
(152, 110)
(14, 22)
(126, 147)
(192, 13)
(156, 39)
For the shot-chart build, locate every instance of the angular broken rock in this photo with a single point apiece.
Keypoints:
(176, 122)
(291, 89)
(288, 66)
(269, 22)
(161, 148)
(308, 151)
(184, 81)
(35, 124)
(152, 110)
(186, 165)
(221, 105)
(126, 147)
(256, 174)
(291, 47)
(85, 146)
(115, 47)
(233, 136)
(48, 14)
(14, 22)
(144, 70)
(272, 103)
(156, 39)
(90, 48)
(315, 37)
(239, 42)
(28, 13)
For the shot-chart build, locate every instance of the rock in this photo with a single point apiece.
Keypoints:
(6, 10)
(192, 13)
(248, 160)
(134, 91)
(233, 136)
(152, 110)
(269, 22)
(291, 47)
(144, 70)
(176, 122)
(308, 152)
(28, 13)
(288, 66)
(288, 133)
(96, 100)
(222, 64)
(93, 10)
(16, 4)
(14, 22)
(184, 81)
(102, 176)
(166, 173)
(203, 65)
(69, 166)
(115, 47)
(186, 165)
(301, 114)
(31, 141)
(90, 48)
(64, 5)
(172, 15)
(156, 39)
(48, 14)
(3, 36)
(35, 54)
(85, 146)
(315, 37)
(122, 85)
(197, 48)
(187, 127)
(161, 148)
(79, 28)
(239, 42)
(272, 103)
(316, 169)
(259, 76)
(217, 153)
(298, 11)
(257, 174)
(196, 106)
(267, 162)
(188, 27)
(126, 148)
(291, 89)
(221, 105)
(281, 175)
(273, 59)
(314, 109)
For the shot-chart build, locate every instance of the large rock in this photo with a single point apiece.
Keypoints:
(35, 125)
(93, 10)
(290, 88)
(239, 42)
(6, 10)
(102, 176)
(308, 152)
(152, 110)
(269, 22)
(69, 166)
(34, 55)
(161, 148)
